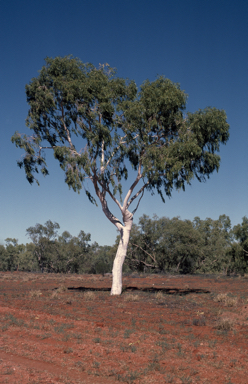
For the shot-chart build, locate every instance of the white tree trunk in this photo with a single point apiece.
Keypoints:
(127, 218)
(120, 255)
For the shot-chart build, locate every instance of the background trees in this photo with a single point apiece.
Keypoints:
(216, 240)
(11, 257)
(51, 252)
(239, 252)
(59, 254)
(163, 245)
(157, 245)
(44, 239)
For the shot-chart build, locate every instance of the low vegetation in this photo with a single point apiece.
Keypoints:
(157, 245)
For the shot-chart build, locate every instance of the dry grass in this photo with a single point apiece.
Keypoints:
(94, 278)
(225, 324)
(220, 298)
(25, 279)
(34, 294)
(8, 276)
(89, 295)
(227, 300)
(131, 297)
(69, 301)
(54, 295)
(159, 296)
(61, 289)
(231, 301)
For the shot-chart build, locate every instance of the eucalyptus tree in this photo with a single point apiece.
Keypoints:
(163, 244)
(241, 234)
(240, 247)
(100, 127)
(73, 252)
(3, 254)
(216, 243)
(13, 253)
(44, 238)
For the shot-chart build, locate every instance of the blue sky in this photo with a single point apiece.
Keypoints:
(200, 44)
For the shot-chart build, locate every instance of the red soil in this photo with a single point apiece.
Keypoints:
(66, 337)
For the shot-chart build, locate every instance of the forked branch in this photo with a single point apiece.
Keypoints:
(138, 202)
(138, 193)
(152, 257)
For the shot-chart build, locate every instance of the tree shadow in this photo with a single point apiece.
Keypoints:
(168, 291)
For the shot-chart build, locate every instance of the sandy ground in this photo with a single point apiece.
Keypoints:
(162, 329)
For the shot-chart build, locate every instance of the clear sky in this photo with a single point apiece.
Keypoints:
(200, 44)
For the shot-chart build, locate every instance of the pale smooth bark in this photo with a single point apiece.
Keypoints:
(124, 228)
(121, 254)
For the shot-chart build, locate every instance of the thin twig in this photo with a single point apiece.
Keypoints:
(138, 202)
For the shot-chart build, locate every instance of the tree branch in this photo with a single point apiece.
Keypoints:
(138, 202)
(139, 176)
(102, 158)
(138, 193)
(101, 196)
(152, 257)
(113, 153)
(66, 129)
(141, 261)
(112, 196)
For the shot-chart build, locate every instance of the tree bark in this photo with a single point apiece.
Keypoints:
(123, 229)
(121, 254)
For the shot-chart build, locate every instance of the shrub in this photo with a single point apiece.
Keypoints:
(159, 296)
(34, 294)
(89, 295)
(225, 324)
(227, 300)
(131, 297)
(61, 289)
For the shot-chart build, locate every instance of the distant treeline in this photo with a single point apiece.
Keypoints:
(157, 245)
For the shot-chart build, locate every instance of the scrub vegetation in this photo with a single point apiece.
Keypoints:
(157, 245)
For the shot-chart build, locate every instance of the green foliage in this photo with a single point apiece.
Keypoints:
(101, 259)
(95, 122)
(216, 241)
(27, 260)
(239, 251)
(10, 258)
(164, 245)
(44, 239)
(241, 233)
(15, 257)
(3, 255)
(59, 254)
(67, 100)
(51, 252)
(156, 245)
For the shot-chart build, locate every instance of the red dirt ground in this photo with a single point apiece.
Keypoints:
(162, 329)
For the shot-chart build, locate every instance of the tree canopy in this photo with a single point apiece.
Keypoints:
(182, 246)
(117, 124)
